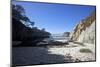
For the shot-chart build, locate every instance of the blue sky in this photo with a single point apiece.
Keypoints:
(55, 18)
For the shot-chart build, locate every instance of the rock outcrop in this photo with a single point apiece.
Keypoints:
(66, 34)
(85, 30)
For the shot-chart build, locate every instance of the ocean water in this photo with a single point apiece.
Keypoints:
(60, 37)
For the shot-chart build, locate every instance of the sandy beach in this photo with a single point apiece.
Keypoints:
(52, 54)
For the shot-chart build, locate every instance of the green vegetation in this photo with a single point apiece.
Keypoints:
(85, 50)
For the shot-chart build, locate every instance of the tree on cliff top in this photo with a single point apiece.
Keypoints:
(18, 12)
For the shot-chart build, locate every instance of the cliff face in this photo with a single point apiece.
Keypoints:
(85, 30)
(24, 33)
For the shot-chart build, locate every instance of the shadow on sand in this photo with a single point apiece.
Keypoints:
(34, 56)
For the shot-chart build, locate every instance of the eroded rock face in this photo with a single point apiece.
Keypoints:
(88, 36)
(85, 30)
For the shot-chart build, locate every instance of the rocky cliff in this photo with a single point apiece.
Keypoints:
(23, 32)
(85, 30)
